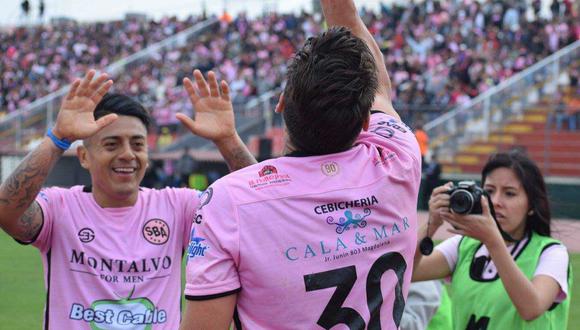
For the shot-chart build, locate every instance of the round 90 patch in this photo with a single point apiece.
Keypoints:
(330, 168)
(156, 231)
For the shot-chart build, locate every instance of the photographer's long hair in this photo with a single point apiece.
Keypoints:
(533, 182)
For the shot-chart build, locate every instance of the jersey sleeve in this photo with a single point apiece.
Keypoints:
(188, 201)
(213, 250)
(450, 250)
(554, 263)
(390, 133)
(50, 201)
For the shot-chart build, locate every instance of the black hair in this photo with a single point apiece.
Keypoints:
(331, 86)
(532, 180)
(122, 105)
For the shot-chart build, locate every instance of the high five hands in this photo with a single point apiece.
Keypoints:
(214, 112)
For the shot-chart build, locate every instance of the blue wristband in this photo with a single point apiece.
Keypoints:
(63, 144)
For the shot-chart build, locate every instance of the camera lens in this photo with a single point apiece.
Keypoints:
(461, 202)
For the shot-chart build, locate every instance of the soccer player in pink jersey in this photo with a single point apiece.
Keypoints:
(112, 252)
(324, 236)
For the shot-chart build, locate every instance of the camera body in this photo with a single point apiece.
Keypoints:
(465, 198)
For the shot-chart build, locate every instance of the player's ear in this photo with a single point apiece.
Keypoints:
(367, 122)
(281, 104)
(82, 154)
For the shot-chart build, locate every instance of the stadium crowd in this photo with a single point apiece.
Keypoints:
(441, 54)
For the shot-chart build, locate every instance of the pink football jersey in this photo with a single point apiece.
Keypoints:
(114, 268)
(312, 242)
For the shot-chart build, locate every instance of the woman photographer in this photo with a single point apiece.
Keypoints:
(498, 283)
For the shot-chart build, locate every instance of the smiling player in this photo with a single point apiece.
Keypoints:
(112, 251)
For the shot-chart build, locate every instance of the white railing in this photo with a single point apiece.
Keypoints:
(23, 125)
(478, 117)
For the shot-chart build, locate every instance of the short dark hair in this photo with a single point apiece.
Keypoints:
(532, 180)
(331, 86)
(123, 105)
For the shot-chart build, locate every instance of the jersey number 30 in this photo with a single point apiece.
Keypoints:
(343, 279)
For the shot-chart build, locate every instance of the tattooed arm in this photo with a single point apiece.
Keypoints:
(235, 153)
(20, 216)
(214, 118)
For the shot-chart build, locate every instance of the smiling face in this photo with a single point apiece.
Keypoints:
(509, 199)
(116, 158)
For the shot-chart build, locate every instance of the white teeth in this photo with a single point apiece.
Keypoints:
(124, 170)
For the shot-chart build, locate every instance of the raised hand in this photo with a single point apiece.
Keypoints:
(214, 112)
(75, 119)
(439, 203)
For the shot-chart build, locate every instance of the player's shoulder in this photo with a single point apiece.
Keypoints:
(64, 192)
(251, 183)
(168, 193)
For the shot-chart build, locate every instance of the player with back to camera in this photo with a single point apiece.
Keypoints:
(323, 236)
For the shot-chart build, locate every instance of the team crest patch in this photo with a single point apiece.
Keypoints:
(267, 170)
(156, 231)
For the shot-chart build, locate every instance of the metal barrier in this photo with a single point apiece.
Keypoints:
(252, 118)
(475, 120)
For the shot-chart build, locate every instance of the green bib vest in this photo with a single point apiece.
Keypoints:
(480, 304)
(442, 320)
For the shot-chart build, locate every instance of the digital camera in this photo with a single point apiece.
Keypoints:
(465, 198)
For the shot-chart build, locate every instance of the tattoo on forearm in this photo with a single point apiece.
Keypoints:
(28, 226)
(20, 189)
(239, 158)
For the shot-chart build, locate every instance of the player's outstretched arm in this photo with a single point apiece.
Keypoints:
(214, 118)
(344, 13)
(20, 216)
(214, 314)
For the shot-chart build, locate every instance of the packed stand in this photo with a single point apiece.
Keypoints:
(442, 54)
(250, 54)
(439, 54)
(39, 60)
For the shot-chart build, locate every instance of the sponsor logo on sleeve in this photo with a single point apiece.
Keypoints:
(205, 198)
(196, 247)
(156, 231)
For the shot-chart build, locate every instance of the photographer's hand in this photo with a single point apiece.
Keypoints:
(481, 227)
(432, 265)
(438, 203)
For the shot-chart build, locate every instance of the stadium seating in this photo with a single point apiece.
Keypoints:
(556, 152)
